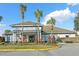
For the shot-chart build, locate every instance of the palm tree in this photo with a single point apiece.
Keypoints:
(38, 14)
(23, 8)
(1, 18)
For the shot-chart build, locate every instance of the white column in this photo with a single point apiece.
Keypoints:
(5, 38)
(14, 37)
(11, 38)
(40, 34)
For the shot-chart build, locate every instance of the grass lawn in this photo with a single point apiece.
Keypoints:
(26, 46)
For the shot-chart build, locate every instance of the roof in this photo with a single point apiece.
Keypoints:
(25, 24)
(47, 29)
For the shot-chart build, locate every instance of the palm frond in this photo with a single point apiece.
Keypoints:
(38, 13)
(23, 8)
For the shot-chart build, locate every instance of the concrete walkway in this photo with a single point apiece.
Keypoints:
(65, 50)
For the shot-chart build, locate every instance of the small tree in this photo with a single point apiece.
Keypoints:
(8, 31)
(51, 23)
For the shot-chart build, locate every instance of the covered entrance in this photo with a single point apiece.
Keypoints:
(31, 38)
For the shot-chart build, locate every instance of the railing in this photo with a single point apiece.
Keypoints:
(25, 30)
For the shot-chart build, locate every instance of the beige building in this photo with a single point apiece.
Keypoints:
(30, 32)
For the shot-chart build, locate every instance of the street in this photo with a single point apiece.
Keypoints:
(65, 50)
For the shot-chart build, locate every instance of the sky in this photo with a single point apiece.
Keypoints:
(63, 13)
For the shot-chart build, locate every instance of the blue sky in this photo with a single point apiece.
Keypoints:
(63, 13)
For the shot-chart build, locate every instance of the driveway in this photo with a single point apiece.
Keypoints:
(65, 50)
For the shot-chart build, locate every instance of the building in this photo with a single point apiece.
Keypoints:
(30, 32)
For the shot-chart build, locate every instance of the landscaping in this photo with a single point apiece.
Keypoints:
(26, 47)
(23, 46)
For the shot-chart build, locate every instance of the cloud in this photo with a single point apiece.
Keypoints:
(60, 15)
(73, 4)
(2, 25)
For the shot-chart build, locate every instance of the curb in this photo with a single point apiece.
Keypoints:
(9, 50)
(4, 50)
(23, 49)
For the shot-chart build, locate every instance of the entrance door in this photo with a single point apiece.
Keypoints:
(31, 38)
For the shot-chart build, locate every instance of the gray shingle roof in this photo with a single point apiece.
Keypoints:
(47, 29)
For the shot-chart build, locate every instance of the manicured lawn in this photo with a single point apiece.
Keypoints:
(25, 46)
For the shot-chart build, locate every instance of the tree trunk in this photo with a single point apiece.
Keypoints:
(38, 32)
(38, 35)
(22, 26)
